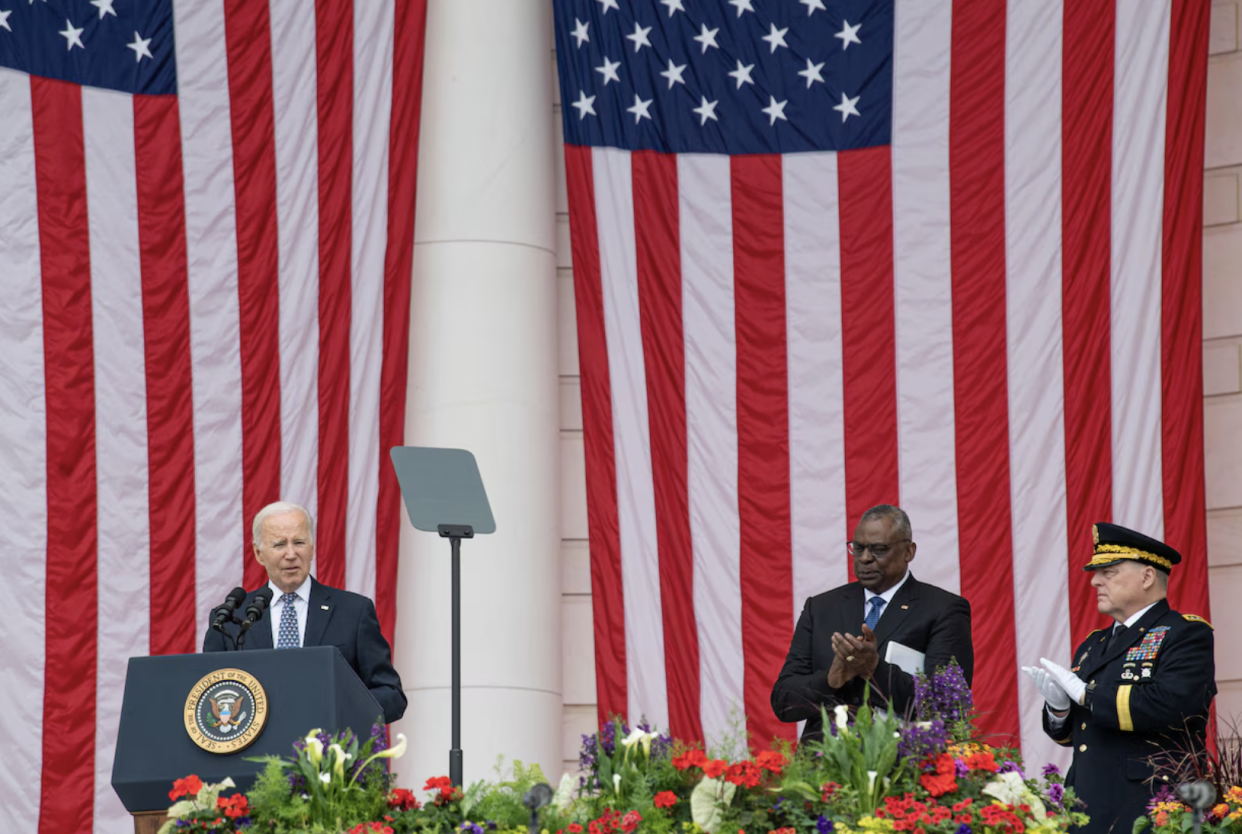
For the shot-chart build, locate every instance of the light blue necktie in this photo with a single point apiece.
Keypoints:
(289, 637)
(873, 615)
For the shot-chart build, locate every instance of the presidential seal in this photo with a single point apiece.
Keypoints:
(225, 711)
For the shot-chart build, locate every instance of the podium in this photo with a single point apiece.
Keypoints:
(303, 688)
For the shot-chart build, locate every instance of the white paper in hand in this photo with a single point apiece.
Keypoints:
(904, 658)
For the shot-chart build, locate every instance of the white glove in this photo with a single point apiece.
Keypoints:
(1049, 688)
(1071, 683)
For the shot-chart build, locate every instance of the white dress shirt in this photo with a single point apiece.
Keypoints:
(301, 605)
(887, 596)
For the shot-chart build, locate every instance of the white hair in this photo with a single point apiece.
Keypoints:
(280, 508)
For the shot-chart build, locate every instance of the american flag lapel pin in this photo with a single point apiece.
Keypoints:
(324, 607)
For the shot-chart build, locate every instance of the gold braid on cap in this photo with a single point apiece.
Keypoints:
(1101, 557)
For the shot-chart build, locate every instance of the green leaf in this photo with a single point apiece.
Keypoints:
(707, 801)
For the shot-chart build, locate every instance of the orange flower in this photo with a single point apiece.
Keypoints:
(689, 759)
(981, 761)
(189, 786)
(235, 806)
(938, 784)
(771, 760)
(714, 768)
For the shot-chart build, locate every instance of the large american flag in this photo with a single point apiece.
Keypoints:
(206, 231)
(833, 253)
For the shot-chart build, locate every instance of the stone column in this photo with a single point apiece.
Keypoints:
(483, 377)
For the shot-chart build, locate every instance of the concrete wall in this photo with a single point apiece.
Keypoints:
(1222, 346)
(1222, 377)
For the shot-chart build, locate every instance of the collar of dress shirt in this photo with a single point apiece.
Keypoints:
(887, 595)
(303, 591)
(1136, 616)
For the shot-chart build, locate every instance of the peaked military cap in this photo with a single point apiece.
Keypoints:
(1114, 543)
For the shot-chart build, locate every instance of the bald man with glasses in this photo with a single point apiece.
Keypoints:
(844, 635)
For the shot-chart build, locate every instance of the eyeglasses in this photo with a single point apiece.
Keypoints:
(879, 551)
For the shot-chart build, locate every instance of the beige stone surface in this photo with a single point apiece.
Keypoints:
(564, 248)
(1225, 587)
(1221, 373)
(575, 567)
(571, 404)
(1222, 281)
(1222, 430)
(1223, 145)
(1228, 703)
(1224, 534)
(1224, 27)
(579, 721)
(567, 324)
(573, 495)
(577, 650)
(1220, 198)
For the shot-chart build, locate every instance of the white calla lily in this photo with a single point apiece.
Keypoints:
(314, 747)
(394, 752)
(339, 757)
(616, 783)
(841, 715)
(325, 778)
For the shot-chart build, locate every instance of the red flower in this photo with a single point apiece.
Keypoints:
(664, 799)
(631, 821)
(689, 759)
(829, 788)
(189, 786)
(438, 783)
(938, 785)
(789, 830)
(771, 760)
(234, 806)
(402, 800)
(714, 768)
(574, 828)
(742, 773)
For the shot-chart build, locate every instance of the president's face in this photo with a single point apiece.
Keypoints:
(286, 550)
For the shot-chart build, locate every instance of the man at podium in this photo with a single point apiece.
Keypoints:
(305, 612)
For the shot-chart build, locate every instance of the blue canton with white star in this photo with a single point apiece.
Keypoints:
(124, 45)
(726, 76)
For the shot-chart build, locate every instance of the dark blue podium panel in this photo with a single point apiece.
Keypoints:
(306, 689)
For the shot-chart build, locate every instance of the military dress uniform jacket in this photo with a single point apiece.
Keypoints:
(920, 616)
(1148, 693)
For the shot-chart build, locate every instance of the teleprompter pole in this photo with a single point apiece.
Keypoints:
(455, 533)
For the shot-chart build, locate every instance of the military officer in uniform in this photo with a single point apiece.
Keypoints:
(1139, 688)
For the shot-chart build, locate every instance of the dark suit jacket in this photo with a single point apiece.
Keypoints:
(1129, 717)
(349, 623)
(920, 616)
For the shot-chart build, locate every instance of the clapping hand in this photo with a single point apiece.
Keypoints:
(853, 657)
(1056, 697)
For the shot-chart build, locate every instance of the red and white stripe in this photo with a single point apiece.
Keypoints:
(204, 308)
(994, 322)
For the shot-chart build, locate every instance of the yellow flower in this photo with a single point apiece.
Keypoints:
(1220, 810)
(873, 824)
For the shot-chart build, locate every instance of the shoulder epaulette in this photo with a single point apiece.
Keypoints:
(1195, 618)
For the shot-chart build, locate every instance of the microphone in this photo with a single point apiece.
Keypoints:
(224, 613)
(254, 611)
(1198, 795)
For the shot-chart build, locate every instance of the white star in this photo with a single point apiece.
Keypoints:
(73, 37)
(4, 20)
(775, 110)
(141, 47)
(776, 37)
(585, 104)
(105, 7)
(812, 5)
(639, 37)
(580, 32)
(706, 110)
(848, 34)
(640, 109)
(742, 74)
(609, 71)
(707, 37)
(742, 6)
(673, 6)
(608, 4)
(846, 108)
(811, 73)
(673, 73)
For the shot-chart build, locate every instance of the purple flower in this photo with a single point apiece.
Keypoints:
(471, 827)
(1051, 769)
(1056, 793)
(920, 742)
(1165, 794)
(960, 769)
(242, 822)
(963, 829)
(824, 825)
(1011, 767)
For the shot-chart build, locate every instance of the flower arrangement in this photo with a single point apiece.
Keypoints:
(872, 773)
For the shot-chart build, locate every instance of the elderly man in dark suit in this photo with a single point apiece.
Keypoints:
(828, 664)
(305, 612)
(1138, 692)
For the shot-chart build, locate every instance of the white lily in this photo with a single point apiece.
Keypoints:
(842, 716)
(394, 752)
(616, 783)
(314, 747)
(871, 777)
(325, 778)
(564, 792)
(339, 757)
(639, 736)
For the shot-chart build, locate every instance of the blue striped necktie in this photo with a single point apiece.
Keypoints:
(289, 637)
(873, 615)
